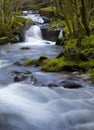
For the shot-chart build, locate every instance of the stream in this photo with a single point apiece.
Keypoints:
(40, 102)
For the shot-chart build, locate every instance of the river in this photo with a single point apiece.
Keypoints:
(31, 104)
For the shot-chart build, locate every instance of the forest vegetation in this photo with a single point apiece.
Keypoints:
(11, 24)
(75, 16)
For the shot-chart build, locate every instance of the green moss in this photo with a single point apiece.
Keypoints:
(29, 62)
(35, 6)
(3, 40)
(83, 53)
(71, 43)
(48, 9)
(87, 65)
(88, 42)
(36, 62)
(56, 23)
(58, 64)
(53, 65)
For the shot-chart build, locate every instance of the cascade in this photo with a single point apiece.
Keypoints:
(60, 34)
(35, 18)
(34, 32)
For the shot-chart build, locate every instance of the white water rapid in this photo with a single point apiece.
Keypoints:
(25, 107)
(28, 106)
(35, 17)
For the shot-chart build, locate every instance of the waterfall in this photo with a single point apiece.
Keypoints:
(33, 36)
(34, 33)
(60, 34)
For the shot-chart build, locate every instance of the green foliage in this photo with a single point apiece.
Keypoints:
(77, 17)
(87, 65)
(88, 42)
(8, 20)
(48, 9)
(58, 64)
(3, 40)
(19, 19)
(56, 23)
(84, 53)
(70, 43)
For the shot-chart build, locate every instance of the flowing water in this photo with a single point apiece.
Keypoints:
(28, 106)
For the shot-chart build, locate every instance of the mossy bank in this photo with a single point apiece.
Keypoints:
(71, 59)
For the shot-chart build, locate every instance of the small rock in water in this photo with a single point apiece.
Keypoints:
(41, 58)
(25, 48)
(71, 84)
(47, 43)
(25, 76)
(52, 85)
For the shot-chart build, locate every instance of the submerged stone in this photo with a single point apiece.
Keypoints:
(25, 76)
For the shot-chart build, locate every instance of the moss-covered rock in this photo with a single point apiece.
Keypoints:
(29, 62)
(36, 62)
(47, 11)
(42, 58)
(60, 64)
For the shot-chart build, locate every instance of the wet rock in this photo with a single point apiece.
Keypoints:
(50, 35)
(71, 84)
(61, 54)
(25, 76)
(41, 58)
(60, 42)
(72, 68)
(25, 48)
(47, 42)
(20, 63)
(52, 85)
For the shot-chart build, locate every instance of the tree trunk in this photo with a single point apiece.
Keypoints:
(84, 17)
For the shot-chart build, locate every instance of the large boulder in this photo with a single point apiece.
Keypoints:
(49, 34)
